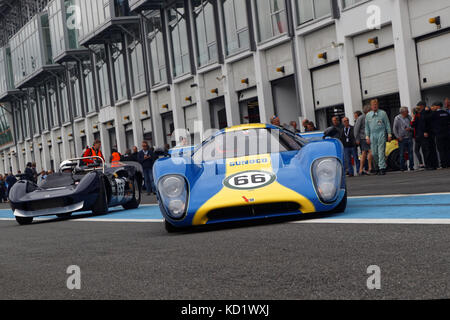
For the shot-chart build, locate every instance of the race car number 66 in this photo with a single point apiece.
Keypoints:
(249, 180)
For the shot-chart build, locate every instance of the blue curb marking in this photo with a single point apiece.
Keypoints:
(403, 207)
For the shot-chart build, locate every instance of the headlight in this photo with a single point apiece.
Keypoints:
(173, 192)
(327, 177)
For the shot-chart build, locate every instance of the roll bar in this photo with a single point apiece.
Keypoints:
(92, 157)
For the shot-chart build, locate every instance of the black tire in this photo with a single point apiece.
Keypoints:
(24, 220)
(170, 228)
(101, 205)
(393, 161)
(341, 206)
(64, 215)
(136, 201)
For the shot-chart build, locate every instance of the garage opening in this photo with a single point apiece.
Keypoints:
(389, 103)
(168, 128)
(285, 100)
(218, 113)
(249, 106)
(324, 116)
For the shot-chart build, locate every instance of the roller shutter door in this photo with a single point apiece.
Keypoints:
(434, 61)
(378, 74)
(327, 86)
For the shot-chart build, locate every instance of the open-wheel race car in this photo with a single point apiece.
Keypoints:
(249, 172)
(94, 187)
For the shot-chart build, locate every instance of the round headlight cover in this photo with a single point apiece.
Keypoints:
(172, 186)
(174, 194)
(327, 177)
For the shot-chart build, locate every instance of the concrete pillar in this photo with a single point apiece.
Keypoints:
(305, 82)
(230, 96)
(45, 153)
(157, 125)
(406, 56)
(263, 87)
(350, 79)
(204, 113)
(178, 112)
(135, 117)
(104, 138)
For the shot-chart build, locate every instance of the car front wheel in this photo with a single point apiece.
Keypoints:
(24, 220)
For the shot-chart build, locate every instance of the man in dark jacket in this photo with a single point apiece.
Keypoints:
(424, 135)
(29, 174)
(10, 181)
(440, 124)
(146, 158)
(347, 136)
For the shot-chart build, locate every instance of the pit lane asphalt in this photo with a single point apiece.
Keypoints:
(265, 261)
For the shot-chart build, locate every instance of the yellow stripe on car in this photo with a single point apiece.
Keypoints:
(230, 197)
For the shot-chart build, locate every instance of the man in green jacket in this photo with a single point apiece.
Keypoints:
(378, 130)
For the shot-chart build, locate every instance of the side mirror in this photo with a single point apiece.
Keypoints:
(331, 132)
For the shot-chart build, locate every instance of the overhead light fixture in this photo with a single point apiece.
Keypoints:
(95, 127)
(323, 56)
(244, 81)
(281, 69)
(189, 99)
(82, 131)
(126, 118)
(373, 41)
(215, 91)
(70, 135)
(164, 106)
(436, 21)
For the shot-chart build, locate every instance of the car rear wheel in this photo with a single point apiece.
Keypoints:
(393, 160)
(101, 205)
(136, 201)
(24, 220)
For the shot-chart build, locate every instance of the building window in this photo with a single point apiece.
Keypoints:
(34, 112)
(26, 118)
(236, 25)
(119, 71)
(18, 123)
(348, 3)
(89, 87)
(156, 48)
(53, 103)
(64, 100)
(271, 18)
(101, 68)
(137, 66)
(205, 31)
(42, 100)
(74, 73)
(308, 10)
(179, 40)
(5, 130)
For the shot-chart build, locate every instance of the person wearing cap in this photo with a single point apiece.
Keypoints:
(378, 130)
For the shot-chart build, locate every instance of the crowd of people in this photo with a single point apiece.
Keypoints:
(424, 135)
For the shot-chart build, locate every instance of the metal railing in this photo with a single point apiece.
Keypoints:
(92, 157)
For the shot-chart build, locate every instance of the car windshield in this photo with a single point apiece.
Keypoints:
(233, 144)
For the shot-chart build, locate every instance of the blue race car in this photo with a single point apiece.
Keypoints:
(249, 172)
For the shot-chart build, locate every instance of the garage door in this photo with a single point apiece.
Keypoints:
(327, 86)
(378, 74)
(434, 61)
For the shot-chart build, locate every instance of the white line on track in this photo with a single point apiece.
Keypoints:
(402, 195)
(375, 221)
